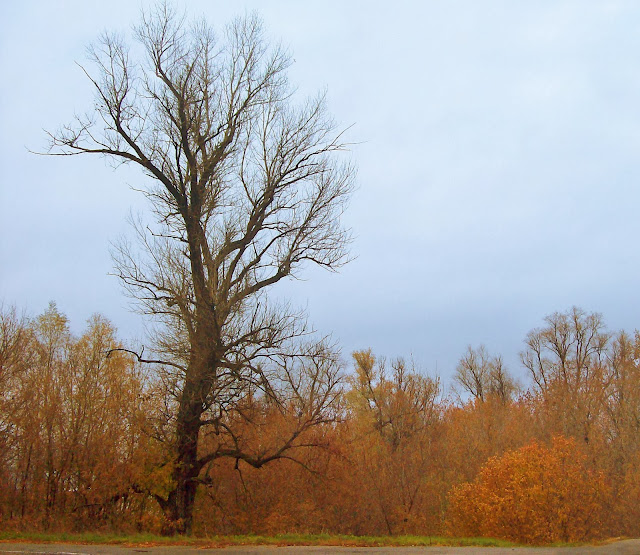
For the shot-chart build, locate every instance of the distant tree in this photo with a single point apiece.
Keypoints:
(72, 421)
(481, 375)
(246, 189)
(568, 350)
(16, 352)
(568, 360)
(619, 449)
(623, 395)
(394, 413)
(399, 403)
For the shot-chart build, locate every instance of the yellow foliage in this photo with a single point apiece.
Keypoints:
(535, 494)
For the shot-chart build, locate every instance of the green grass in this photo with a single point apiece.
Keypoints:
(277, 540)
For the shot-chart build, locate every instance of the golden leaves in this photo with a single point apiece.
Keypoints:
(536, 494)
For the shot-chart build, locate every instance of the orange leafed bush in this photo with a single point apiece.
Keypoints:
(535, 494)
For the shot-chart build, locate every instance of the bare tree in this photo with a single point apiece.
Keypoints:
(568, 360)
(246, 188)
(501, 384)
(401, 403)
(568, 351)
(472, 372)
(481, 375)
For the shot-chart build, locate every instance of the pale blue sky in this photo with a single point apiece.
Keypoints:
(498, 166)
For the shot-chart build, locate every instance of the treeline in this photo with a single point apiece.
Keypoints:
(84, 429)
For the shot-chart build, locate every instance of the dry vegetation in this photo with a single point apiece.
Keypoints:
(82, 448)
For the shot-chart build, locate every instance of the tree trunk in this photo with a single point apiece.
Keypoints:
(178, 508)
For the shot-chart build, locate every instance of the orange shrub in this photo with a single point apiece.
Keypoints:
(535, 494)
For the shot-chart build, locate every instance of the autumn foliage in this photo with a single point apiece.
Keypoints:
(536, 494)
(72, 424)
(84, 434)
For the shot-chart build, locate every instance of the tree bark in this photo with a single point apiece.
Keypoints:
(199, 379)
(178, 508)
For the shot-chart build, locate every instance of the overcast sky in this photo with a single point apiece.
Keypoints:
(498, 180)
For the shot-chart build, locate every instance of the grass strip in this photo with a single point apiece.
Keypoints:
(150, 540)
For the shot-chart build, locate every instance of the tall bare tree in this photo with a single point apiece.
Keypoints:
(246, 188)
(568, 360)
